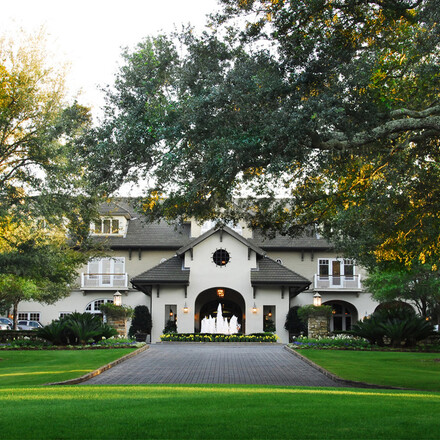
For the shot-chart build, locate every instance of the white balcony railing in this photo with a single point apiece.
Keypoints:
(343, 282)
(104, 281)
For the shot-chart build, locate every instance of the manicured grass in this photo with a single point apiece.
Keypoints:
(213, 411)
(36, 367)
(216, 412)
(419, 371)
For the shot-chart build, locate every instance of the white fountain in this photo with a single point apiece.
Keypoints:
(219, 324)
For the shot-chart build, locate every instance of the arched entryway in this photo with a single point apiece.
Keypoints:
(344, 315)
(232, 304)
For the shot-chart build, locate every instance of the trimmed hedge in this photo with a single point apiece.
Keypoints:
(12, 335)
(305, 312)
(210, 337)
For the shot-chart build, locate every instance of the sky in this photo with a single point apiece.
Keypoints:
(89, 34)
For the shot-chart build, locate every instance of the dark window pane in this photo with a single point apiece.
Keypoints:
(115, 226)
(323, 268)
(220, 257)
(337, 322)
(106, 227)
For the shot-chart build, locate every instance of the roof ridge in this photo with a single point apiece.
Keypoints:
(229, 231)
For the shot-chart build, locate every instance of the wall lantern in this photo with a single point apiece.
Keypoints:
(254, 309)
(171, 313)
(117, 298)
(185, 308)
(317, 300)
(270, 313)
(220, 293)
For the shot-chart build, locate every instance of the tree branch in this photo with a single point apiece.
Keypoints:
(419, 122)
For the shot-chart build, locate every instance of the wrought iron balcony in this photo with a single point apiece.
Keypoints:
(341, 282)
(103, 281)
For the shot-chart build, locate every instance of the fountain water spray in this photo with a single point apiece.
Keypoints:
(219, 324)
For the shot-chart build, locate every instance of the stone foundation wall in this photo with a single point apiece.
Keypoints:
(119, 324)
(318, 326)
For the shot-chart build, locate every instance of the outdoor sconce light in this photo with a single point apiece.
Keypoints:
(185, 308)
(117, 298)
(171, 313)
(220, 293)
(317, 300)
(254, 309)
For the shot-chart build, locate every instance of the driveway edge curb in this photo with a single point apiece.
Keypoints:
(339, 379)
(99, 370)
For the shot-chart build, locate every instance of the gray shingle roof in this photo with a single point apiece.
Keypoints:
(282, 242)
(162, 235)
(170, 271)
(269, 272)
(116, 207)
(152, 235)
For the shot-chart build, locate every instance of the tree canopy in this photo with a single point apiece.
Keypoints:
(419, 286)
(46, 202)
(289, 114)
(41, 168)
(36, 263)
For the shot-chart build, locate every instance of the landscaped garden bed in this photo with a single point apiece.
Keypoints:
(77, 331)
(350, 343)
(35, 344)
(208, 337)
(331, 343)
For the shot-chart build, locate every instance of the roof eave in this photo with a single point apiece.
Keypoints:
(281, 283)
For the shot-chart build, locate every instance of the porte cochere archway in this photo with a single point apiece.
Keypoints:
(232, 302)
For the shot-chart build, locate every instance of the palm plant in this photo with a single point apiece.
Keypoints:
(400, 326)
(370, 330)
(55, 332)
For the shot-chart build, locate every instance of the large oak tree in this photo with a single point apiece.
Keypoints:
(320, 112)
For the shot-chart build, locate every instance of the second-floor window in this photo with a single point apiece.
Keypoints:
(336, 268)
(115, 265)
(105, 272)
(106, 226)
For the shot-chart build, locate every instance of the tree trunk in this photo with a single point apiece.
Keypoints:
(14, 314)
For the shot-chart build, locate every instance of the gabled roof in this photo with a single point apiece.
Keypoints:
(221, 230)
(269, 272)
(116, 207)
(171, 271)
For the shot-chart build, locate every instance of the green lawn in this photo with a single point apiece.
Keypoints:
(216, 412)
(419, 371)
(201, 411)
(36, 367)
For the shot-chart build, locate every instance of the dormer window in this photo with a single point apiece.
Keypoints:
(108, 226)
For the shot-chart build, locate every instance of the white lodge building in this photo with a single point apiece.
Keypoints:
(183, 273)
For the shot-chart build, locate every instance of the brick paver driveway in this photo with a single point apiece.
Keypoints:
(214, 363)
